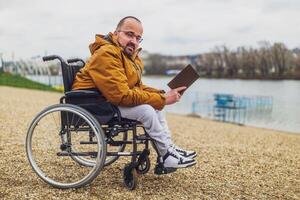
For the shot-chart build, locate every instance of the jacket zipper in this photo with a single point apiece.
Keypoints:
(138, 70)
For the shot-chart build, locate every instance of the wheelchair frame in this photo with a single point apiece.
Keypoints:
(103, 133)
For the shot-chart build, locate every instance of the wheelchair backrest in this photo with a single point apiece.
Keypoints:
(90, 100)
(68, 73)
(68, 70)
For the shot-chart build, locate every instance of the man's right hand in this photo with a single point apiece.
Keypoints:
(174, 95)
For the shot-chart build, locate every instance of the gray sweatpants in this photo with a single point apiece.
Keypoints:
(154, 122)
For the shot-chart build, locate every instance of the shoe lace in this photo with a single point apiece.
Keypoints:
(174, 153)
(176, 148)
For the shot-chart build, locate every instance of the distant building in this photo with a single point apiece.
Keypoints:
(145, 56)
(176, 61)
(172, 71)
(30, 67)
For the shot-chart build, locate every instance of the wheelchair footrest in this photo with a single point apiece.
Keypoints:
(160, 169)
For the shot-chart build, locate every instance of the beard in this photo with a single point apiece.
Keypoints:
(129, 49)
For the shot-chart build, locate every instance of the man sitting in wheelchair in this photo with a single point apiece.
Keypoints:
(115, 69)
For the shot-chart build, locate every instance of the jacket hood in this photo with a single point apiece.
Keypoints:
(101, 40)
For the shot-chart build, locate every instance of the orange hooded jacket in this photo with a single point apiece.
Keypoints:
(117, 76)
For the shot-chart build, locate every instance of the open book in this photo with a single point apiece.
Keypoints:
(186, 77)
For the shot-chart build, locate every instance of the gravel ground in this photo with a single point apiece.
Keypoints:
(234, 162)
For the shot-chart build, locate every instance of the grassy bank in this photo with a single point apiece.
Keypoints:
(7, 79)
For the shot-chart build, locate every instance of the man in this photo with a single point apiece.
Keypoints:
(115, 69)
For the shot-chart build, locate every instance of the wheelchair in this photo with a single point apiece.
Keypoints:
(68, 144)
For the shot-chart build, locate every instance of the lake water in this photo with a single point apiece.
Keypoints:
(284, 114)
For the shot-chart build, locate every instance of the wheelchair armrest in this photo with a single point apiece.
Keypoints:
(82, 93)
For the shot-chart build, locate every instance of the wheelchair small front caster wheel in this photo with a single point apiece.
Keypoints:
(130, 177)
(143, 166)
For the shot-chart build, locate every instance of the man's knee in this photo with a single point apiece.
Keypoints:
(147, 112)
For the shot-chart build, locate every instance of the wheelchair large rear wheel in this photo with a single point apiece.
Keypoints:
(55, 137)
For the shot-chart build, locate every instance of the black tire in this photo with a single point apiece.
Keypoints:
(144, 166)
(130, 177)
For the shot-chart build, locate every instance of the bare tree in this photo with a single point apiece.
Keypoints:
(296, 64)
(279, 57)
(208, 64)
(156, 64)
(219, 63)
(265, 58)
(231, 62)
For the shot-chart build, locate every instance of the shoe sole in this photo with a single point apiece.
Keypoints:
(183, 166)
(168, 170)
(164, 170)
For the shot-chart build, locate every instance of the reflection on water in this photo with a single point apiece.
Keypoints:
(284, 115)
(233, 108)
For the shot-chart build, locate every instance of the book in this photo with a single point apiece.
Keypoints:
(185, 77)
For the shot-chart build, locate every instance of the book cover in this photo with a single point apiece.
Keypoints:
(186, 77)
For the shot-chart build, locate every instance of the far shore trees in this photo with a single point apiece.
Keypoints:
(265, 61)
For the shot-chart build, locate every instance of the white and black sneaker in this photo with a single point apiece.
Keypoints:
(173, 159)
(184, 153)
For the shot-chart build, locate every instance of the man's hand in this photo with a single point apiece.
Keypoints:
(174, 95)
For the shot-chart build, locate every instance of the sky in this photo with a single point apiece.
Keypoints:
(34, 28)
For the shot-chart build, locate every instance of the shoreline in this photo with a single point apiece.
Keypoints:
(233, 78)
(233, 162)
(243, 125)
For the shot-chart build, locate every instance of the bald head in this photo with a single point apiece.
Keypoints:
(129, 33)
(122, 21)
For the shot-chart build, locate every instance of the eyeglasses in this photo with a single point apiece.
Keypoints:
(132, 35)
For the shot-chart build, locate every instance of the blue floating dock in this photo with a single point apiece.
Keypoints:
(233, 108)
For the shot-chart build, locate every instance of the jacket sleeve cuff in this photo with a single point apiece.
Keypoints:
(163, 102)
